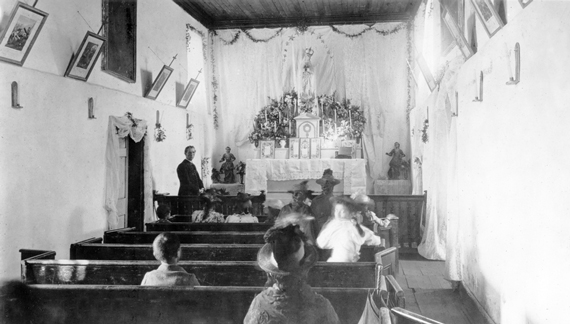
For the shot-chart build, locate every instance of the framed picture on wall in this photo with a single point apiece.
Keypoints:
(20, 33)
(120, 30)
(159, 82)
(422, 64)
(267, 149)
(305, 148)
(457, 34)
(293, 148)
(188, 93)
(84, 59)
(525, 3)
(488, 16)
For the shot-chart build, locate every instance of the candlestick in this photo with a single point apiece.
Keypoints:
(187, 120)
(275, 127)
(157, 117)
(335, 121)
(350, 119)
(296, 108)
(279, 116)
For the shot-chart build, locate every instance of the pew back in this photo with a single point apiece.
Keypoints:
(229, 205)
(402, 316)
(207, 227)
(128, 236)
(188, 218)
(208, 273)
(128, 304)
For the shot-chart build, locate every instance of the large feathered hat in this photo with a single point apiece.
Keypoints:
(328, 177)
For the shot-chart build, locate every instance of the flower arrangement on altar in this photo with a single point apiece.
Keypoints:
(275, 121)
(341, 118)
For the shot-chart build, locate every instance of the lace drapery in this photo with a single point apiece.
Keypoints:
(351, 171)
(120, 127)
(370, 69)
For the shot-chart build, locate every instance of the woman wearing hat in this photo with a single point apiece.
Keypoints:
(343, 234)
(245, 215)
(306, 220)
(208, 214)
(287, 258)
(321, 206)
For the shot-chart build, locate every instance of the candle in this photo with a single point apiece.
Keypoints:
(296, 111)
(290, 121)
(279, 116)
(266, 115)
(187, 120)
(157, 117)
(275, 127)
(350, 119)
(335, 121)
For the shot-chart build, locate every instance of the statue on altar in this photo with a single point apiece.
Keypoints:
(396, 163)
(240, 169)
(308, 86)
(228, 167)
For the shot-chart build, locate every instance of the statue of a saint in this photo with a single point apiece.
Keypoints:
(308, 89)
(396, 162)
(228, 167)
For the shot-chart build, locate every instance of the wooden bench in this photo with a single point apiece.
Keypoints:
(188, 219)
(135, 304)
(208, 273)
(207, 227)
(129, 236)
(93, 249)
(186, 205)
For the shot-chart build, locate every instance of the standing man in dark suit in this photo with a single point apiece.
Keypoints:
(190, 182)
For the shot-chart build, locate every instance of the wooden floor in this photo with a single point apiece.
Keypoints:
(429, 294)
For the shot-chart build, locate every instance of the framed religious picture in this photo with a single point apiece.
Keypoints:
(305, 148)
(120, 30)
(188, 93)
(20, 33)
(457, 34)
(159, 82)
(267, 149)
(426, 71)
(316, 148)
(293, 148)
(83, 61)
(488, 16)
(525, 3)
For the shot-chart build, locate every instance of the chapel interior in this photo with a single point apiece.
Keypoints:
(473, 91)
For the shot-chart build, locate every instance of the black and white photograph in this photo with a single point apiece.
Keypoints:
(20, 33)
(285, 161)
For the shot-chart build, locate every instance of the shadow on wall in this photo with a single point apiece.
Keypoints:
(146, 80)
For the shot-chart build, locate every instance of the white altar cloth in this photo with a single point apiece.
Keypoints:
(259, 171)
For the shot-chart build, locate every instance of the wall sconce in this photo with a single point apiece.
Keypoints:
(456, 113)
(479, 98)
(90, 108)
(517, 77)
(15, 96)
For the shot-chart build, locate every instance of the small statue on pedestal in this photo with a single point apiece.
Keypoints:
(240, 169)
(396, 162)
(215, 176)
(228, 167)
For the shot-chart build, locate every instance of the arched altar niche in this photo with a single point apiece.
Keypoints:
(308, 125)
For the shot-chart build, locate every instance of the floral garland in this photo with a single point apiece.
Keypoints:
(424, 131)
(381, 32)
(202, 35)
(205, 163)
(410, 72)
(214, 81)
(236, 37)
(159, 133)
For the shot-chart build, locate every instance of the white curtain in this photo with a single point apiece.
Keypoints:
(365, 65)
(120, 127)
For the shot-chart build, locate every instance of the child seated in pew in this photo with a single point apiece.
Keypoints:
(163, 213)
(166, 249)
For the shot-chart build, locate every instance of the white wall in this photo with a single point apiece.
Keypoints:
(513, 170)
(52, 160)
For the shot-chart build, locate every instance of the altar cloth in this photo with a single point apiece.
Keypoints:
(259, 171)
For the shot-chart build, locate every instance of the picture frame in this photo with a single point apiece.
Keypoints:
(305, 148)
(352, 145)
(316, 148)
(120, 30)
(21, 32)
(524, 3)
(188, 93)
(267, 149)
(422, 64)
(293, 147)
(488, 16)
(83, 61)
(457, 34)
(159, 82)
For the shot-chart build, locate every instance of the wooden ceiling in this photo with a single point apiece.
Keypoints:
(225, 14)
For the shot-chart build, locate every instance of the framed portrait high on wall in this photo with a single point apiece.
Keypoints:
(267, 149)
(489, 17)
(159, 82)
(120, 30)
(457, 34)
(20, 33)
(84, 59)
(188, 93)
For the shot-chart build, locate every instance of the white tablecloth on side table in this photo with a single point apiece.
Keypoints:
(258, 172)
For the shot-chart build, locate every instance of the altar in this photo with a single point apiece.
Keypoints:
(352, 172)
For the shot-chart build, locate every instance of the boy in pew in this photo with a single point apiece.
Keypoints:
(163, 213)
(166, 249)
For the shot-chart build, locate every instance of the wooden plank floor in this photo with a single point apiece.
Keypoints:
(429, 294)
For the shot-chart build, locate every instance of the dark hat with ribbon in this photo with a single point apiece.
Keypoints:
(328, 177)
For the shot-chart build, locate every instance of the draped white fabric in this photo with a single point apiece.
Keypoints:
(120, 127)
(440, 239)
(370, 69)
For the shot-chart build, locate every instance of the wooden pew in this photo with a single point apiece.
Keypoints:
(141, 305)
(186, 205)
(36, 254)
(129, 236)
(402, 316)
(93, 249)
(207, 227)
(208, 273)
(188, 219)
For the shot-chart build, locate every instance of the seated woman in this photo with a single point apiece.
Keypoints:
(208, 214)
(343, 234)
(365, 216)
(245, 215)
